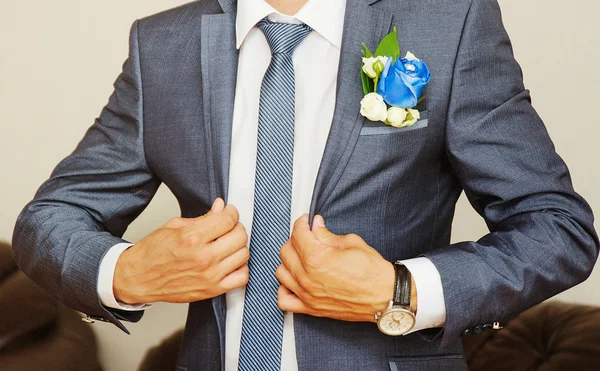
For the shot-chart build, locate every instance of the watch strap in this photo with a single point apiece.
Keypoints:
(403, 285)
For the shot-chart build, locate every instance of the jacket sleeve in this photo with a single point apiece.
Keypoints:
(542, 239)
(91, 197)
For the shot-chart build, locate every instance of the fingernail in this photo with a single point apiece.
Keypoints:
(319, 221)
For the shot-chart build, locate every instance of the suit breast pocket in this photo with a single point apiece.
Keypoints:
(451, 362)
(379, 128)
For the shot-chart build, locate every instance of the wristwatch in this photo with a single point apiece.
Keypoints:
(399, 317)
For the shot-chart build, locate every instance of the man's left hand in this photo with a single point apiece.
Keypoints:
(328, 275)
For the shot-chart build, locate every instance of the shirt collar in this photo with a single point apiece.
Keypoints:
(324, 16)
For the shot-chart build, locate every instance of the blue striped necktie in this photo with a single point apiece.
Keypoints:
(262, 328)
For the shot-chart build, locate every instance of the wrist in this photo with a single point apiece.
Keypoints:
(386, 288)
(413, 294)
(386, 292)
(121, 281)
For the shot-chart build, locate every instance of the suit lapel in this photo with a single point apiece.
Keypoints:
(219, 60)
(219, 72)
(362, 24)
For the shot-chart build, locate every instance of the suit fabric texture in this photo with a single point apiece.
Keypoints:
(169, 121)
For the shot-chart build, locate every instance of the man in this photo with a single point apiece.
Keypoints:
(251, 118)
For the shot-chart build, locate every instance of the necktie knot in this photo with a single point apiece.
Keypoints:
(283, 38)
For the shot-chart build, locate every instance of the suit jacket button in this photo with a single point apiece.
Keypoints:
(467, 332)
(478, 329)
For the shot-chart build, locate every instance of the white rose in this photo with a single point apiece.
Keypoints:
(373, 107)
(411, 57)
(368, 65)
(396, 117)
(412, 117)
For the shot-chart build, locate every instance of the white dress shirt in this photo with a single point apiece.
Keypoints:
(316, 62)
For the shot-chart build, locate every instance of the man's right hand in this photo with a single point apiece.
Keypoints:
(186, 260)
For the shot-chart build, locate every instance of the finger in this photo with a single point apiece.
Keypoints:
(291, 259)
(213, 225)
(236, 279)
(234, 261)
(323, 234)
(230, 242)
(290, 302)
(284, 276)
(303, 240)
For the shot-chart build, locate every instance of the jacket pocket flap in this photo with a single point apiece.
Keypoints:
(451, 362)
(379, 128)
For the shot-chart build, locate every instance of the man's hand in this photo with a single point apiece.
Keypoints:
(327, 275)
(186, 260)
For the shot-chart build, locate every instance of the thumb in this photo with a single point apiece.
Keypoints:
(324, 235)
(217, 206)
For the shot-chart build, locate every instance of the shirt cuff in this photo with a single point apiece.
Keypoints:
(106, 275)
(431, 308)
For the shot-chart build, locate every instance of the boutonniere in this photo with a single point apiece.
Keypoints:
(392, 85)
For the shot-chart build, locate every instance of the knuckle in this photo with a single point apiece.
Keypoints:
(283, 252)
(230, 221)
(204, 260)
(281, 304)
(318, 294)
(245, 254)
(244, 280)
(242, 234)
(279, 272)
(233, 213)
(294, 240)
(202, 276)
(241, 278)
(188, 240)
(298, 223)
(354, 238)
(305, 282)
(304, 296)
(201, 235)
(173, 222)
(351, 237)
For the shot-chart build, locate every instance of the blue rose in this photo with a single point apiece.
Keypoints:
(401, 84)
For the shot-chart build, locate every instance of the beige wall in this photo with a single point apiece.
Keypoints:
(58, 60)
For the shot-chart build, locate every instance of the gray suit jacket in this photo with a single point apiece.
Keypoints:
(169, 121)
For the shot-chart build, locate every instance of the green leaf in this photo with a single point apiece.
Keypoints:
(389, 46)
(366, 52)
(367, 82)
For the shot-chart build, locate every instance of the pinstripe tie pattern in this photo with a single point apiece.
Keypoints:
(262, 328)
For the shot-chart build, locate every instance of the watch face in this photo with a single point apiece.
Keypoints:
(396, 322)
